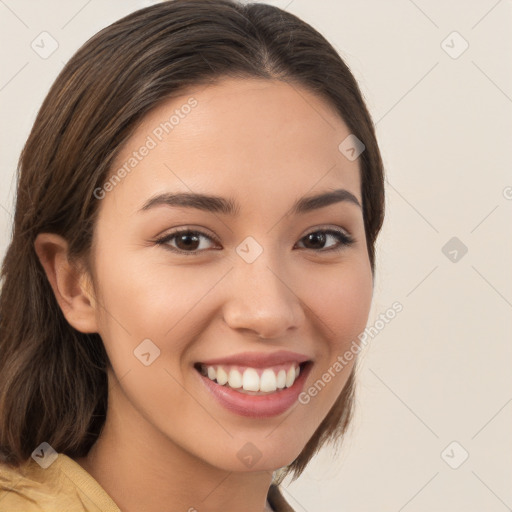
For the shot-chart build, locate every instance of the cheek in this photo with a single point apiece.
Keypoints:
(149, 300)
(340, 302)
(341, 298)
(146, 298)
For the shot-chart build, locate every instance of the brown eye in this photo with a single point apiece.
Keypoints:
(316, 240)
(186, 241)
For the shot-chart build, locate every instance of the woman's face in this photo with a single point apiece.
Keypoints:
(256, 280)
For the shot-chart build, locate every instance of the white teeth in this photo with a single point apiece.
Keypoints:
(290, 376)
(269, 381)
(281, 379)
(222, 376)
(251, 380)
(235, 379)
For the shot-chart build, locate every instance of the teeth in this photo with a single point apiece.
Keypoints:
(235, 379)
(251, 380)
(222, 376)
(290, 377)
(281, 379)
(267, 381)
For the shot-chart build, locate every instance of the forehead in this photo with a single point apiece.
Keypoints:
(257, 140)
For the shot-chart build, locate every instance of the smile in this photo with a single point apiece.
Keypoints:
(252, 391)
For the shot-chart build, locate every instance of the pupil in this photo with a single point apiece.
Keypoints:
(189, 239)
(317, 237)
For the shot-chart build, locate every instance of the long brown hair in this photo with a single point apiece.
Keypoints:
(53, 382)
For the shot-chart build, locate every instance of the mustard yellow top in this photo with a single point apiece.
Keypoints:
(64, 486)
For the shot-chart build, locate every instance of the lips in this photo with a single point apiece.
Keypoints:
(259, 359)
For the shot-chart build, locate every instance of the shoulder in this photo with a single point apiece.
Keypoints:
(63, 486)
(18, 491)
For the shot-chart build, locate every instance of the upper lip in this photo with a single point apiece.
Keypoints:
(259, 359)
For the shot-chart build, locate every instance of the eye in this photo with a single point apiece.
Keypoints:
(188, 241)
(321, 236)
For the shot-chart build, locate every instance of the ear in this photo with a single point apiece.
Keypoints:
(71, 286)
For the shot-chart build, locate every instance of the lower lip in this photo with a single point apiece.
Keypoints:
(257, 406)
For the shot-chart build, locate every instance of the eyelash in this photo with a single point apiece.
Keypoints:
(344, 239)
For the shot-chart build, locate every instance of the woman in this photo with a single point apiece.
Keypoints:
(193, 251)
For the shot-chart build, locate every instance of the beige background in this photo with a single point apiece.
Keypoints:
(441, 370)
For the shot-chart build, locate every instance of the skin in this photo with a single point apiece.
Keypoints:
(166, 444)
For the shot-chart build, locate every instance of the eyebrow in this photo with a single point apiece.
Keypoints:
(217, 204)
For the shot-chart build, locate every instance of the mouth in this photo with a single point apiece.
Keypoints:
(255, 391)
(253, 381)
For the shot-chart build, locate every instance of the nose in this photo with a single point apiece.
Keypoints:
(262, 300)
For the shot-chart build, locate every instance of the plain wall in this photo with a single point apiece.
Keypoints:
(440, 371)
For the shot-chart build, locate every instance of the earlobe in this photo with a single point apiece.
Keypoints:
(70, 285)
